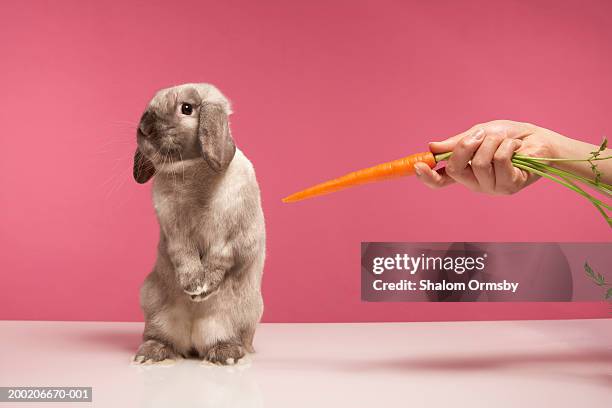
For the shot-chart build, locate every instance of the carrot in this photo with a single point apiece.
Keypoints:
(536, 165)
(384, 171)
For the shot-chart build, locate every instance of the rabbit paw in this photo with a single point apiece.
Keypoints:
(225, 353)
(153, 351)
(193, 283)
(200, 289)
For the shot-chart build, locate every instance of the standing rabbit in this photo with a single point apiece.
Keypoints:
(203, 297)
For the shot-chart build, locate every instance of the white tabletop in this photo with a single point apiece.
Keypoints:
(490, 364)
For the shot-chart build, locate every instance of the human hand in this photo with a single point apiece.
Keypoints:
(481, 158)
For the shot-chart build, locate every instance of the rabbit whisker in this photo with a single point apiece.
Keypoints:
(171, 164)
(182, 165)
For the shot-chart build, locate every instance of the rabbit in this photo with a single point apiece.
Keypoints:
(203, 297)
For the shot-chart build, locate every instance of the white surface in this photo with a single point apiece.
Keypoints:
(472, 364)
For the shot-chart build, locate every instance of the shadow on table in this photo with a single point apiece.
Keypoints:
(493, 362)
(496, 361)
(568, 365)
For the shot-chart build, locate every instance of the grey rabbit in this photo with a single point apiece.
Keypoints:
(203, 297)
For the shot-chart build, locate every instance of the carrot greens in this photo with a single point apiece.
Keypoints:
(599, 280)
(542, 166)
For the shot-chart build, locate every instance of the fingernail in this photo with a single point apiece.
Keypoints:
(478, 135)
(418, 171)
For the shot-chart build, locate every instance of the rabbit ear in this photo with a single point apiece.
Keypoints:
(143, 168)
(218, 147)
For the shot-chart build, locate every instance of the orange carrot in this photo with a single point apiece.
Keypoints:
(393, 169)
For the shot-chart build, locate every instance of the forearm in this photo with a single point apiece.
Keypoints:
(566, 148)
(216, 262)
(185, 259)
(218, 257)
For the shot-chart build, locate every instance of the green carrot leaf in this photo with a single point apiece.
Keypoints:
(594, 169)
(602, 147)
(594, 155)
(589, 270)
(600, 280)
(609, 294)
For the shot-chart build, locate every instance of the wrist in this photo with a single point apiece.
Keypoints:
(557, 146)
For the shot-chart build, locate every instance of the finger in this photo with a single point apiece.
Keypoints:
(449, 144)
(432, 178)
(458, 166)
(446, 145)
(482, 162)
(508, 179)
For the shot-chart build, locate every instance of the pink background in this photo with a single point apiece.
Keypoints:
(318, 89)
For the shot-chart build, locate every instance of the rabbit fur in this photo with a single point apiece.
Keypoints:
(203, 297)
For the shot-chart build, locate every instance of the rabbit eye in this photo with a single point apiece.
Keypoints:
(186, 109)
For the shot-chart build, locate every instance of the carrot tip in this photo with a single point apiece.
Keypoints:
(384, 171)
